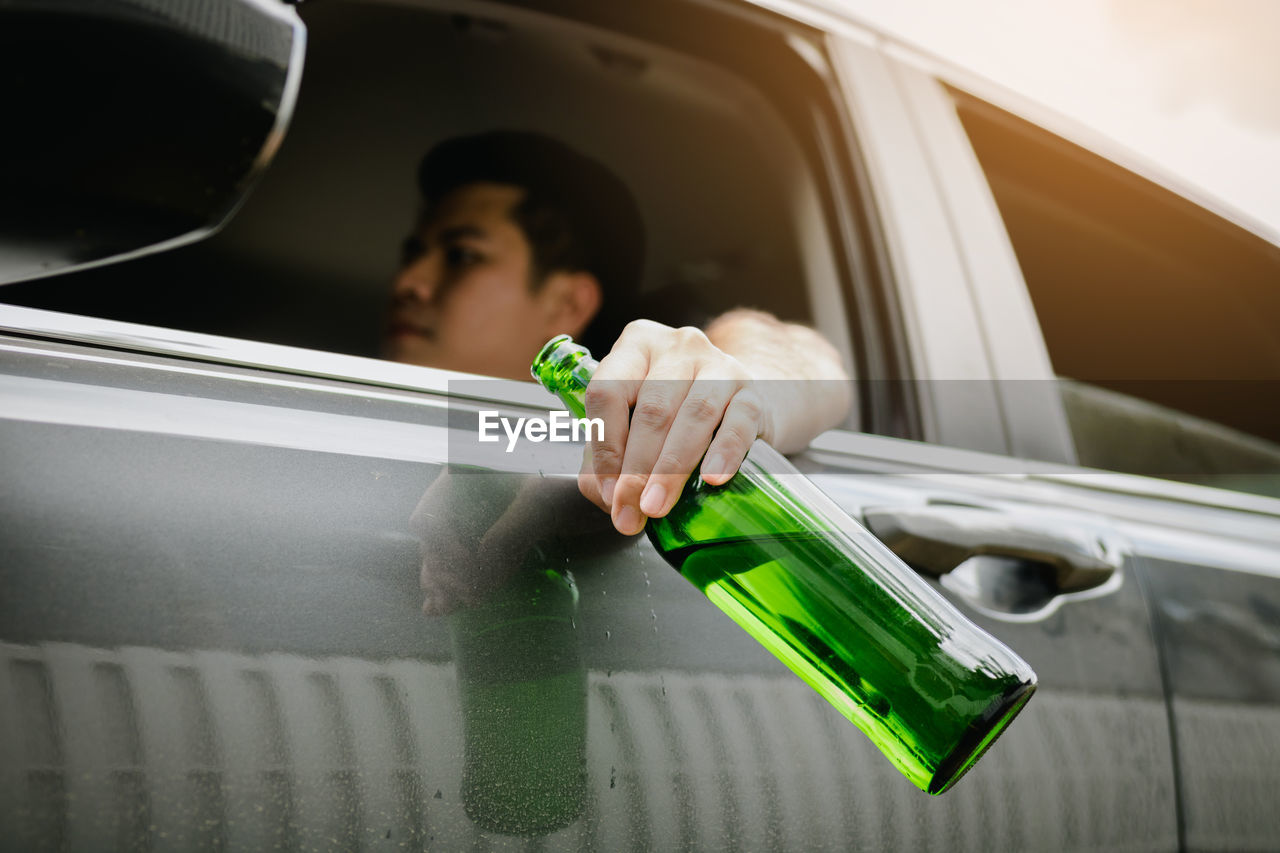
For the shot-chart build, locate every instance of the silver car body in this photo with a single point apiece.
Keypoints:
(213, 631)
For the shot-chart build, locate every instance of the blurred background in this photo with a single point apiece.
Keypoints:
(1192, 85)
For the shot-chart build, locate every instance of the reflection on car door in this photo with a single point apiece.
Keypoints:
(214, 632)
(1217, 601)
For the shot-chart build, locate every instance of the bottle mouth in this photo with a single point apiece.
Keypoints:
(547, 353)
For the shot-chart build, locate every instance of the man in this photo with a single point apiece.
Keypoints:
(520, 239)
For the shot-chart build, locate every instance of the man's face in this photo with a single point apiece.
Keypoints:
(464, 297)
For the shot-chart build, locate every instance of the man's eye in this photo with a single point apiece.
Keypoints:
(410, 250)
(461, 256)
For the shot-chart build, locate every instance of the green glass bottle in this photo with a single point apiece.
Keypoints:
(930, 688)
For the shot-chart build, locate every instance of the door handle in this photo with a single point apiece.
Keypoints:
(937, 538)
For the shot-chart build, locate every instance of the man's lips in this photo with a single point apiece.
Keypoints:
(404, 328)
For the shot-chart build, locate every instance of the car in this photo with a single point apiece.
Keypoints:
(219, 507)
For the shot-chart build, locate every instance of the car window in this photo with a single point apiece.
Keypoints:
(1159, 317)
(734, 210)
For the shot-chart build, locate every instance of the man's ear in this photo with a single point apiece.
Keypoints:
(572, 301)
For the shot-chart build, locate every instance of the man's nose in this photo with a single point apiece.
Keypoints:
(418, 279)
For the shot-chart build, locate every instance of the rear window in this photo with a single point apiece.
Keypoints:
(1161, 317)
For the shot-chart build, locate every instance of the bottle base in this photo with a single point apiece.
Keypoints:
(979, 737)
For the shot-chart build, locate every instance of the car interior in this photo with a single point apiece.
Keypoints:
(733, 210)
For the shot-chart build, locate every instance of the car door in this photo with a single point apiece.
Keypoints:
(215, 634)
(253, 601)
(1170, 378)
(1191, 607)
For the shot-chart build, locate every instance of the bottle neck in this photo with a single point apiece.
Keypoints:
(565, 368)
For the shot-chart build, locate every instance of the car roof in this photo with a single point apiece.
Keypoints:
(834, 17)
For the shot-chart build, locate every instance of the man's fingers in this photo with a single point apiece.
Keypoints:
(656, 406)
(610, 400)
(614, 389)
(738, 429)
(589, 482)
(686, 442)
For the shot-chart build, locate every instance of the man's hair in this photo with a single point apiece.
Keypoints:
(577, 215)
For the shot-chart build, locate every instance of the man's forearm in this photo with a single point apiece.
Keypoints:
(805, 387)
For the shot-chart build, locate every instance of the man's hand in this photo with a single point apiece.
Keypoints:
(671, 397)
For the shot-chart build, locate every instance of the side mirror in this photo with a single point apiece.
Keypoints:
(133, 126)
